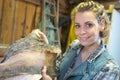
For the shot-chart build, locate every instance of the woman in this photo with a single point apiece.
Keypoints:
(87, 58)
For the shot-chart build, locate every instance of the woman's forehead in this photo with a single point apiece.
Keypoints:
(85, 16)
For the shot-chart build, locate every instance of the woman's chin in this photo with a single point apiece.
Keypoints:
(85, 43)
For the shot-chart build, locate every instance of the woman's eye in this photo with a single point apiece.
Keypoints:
(77, 26)
(89, 25)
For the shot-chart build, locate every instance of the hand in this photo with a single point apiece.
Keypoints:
(44, 75)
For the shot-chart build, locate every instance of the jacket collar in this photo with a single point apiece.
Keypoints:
(97, 53)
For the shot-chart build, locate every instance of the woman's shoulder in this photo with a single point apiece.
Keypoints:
(109, 71)
(111, 65)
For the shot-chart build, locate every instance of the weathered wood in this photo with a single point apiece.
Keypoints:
(38, 16)
(7, 21)
(3, 49)
(1, 8)
(14, 14)
(1, 13)
(34, 2)
(19, 19)
(30, 12)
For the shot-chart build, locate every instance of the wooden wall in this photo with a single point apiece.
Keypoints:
(17, 19)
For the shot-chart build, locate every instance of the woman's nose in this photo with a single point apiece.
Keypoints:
(82, 31)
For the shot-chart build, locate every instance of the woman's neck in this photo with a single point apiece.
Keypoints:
(89, 50)
(92, 47)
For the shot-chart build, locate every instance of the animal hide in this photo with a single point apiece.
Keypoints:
(27, 56)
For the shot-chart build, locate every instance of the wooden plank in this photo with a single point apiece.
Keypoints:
(3, 49)
(38, 16)
(20, 17)
(7, 21)
(25, 18)
(19, 21)
(34, 2)
(29, 18)
(1, 8)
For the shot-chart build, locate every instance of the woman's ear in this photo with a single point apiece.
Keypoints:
(102, 25)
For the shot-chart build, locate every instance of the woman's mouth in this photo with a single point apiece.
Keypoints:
(83, 38)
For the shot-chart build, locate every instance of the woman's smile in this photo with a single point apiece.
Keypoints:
(83, 38)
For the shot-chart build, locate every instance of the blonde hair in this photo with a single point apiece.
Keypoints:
(98, 9)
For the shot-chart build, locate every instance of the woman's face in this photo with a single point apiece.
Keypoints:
(87, 28)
